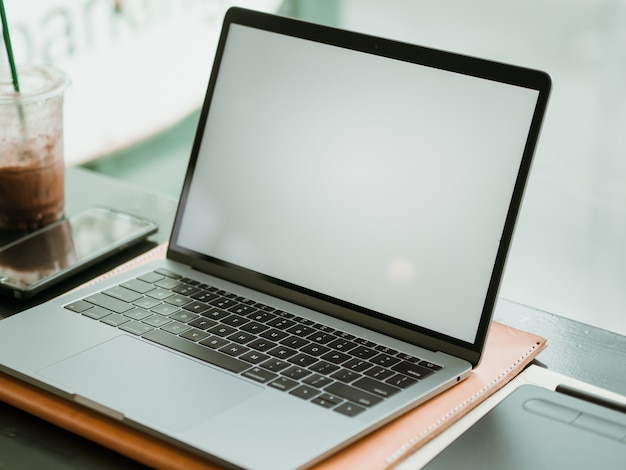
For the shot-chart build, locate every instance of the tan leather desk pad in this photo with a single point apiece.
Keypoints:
(508, 351)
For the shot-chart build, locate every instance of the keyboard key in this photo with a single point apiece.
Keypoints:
(186, 289)
(167, 283)
(323, 367)
(296, 372)
(264, 307)
(228, 295)
(357, 365)
(355, 395)
(294, 342)
(178, 300)
(196, 307)
(326, 400)
(138, 314)
(315, 350)
(254, 327)
(136, 327)
(376, 387)
(386, 350)
(324, 328)
(159, 294)
(321, 338)
(234, 349)
(401, 381)
(115, 319)
(165, 309)
(274, 335)
(235, 320)
(304, 391)
(241, 337)
(342, 345)
(281, 323)
(409, 358)
(79, 306)
(283, 383)
(214, 342)
(202, 323)
(175, 327)
(365, 342)
(349, 409)
(204, 296)
(317, 381)
(345, 375)
(199, 352)
(363, 352)
(157, 321)
(146, 302)
(304, 321)
(194, 335)
(379, 373)
(261, 344)
(224, 303)
(222, 330)
(123, 294)
(344, 335)
(246, 301)
(282, 352)
(109, 303)
(259, 375)
(242, 309)
(254, 357)
(138, 285)
(183, 316)
(151, 277)
(96, 312)
(215, 313)
(303, 360)
(261, 317)
(385, 360)
(412, 370)
(301, 330)
(167, 273)
(430, 365)
(275, 365)
(335, 357)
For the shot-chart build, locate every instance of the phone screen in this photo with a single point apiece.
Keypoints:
(44, 256)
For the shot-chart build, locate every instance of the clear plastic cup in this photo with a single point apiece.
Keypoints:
(32, 167)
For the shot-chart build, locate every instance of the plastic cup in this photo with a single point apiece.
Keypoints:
(32, 167)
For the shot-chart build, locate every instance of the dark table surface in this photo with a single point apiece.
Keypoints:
(84, 189)
(581, 351)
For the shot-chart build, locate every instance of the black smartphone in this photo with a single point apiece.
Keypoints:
(53, 253)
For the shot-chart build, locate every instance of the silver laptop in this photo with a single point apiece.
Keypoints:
(335, 257)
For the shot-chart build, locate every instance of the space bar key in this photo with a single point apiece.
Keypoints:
(195, 350)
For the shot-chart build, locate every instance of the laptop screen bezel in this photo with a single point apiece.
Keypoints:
(504, 73)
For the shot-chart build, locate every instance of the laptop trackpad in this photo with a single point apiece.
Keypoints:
(149, 384)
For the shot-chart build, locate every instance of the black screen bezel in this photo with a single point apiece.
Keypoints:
(481, 68)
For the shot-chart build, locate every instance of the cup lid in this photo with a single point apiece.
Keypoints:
(37, 83)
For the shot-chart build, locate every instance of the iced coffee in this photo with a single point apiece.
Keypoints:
(31, 148)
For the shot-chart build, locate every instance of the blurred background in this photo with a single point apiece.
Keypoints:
(139, 69)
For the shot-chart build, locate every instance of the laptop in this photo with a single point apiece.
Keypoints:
(335, 257)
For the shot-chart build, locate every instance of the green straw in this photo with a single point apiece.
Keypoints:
(16, 82)
(9, 48)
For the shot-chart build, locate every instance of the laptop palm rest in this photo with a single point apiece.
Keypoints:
(163, 389)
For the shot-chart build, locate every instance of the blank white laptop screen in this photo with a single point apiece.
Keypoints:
(377, 182)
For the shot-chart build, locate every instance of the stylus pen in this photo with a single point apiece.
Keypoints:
(576, 393)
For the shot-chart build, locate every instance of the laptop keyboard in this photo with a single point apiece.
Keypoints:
(328, 367)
